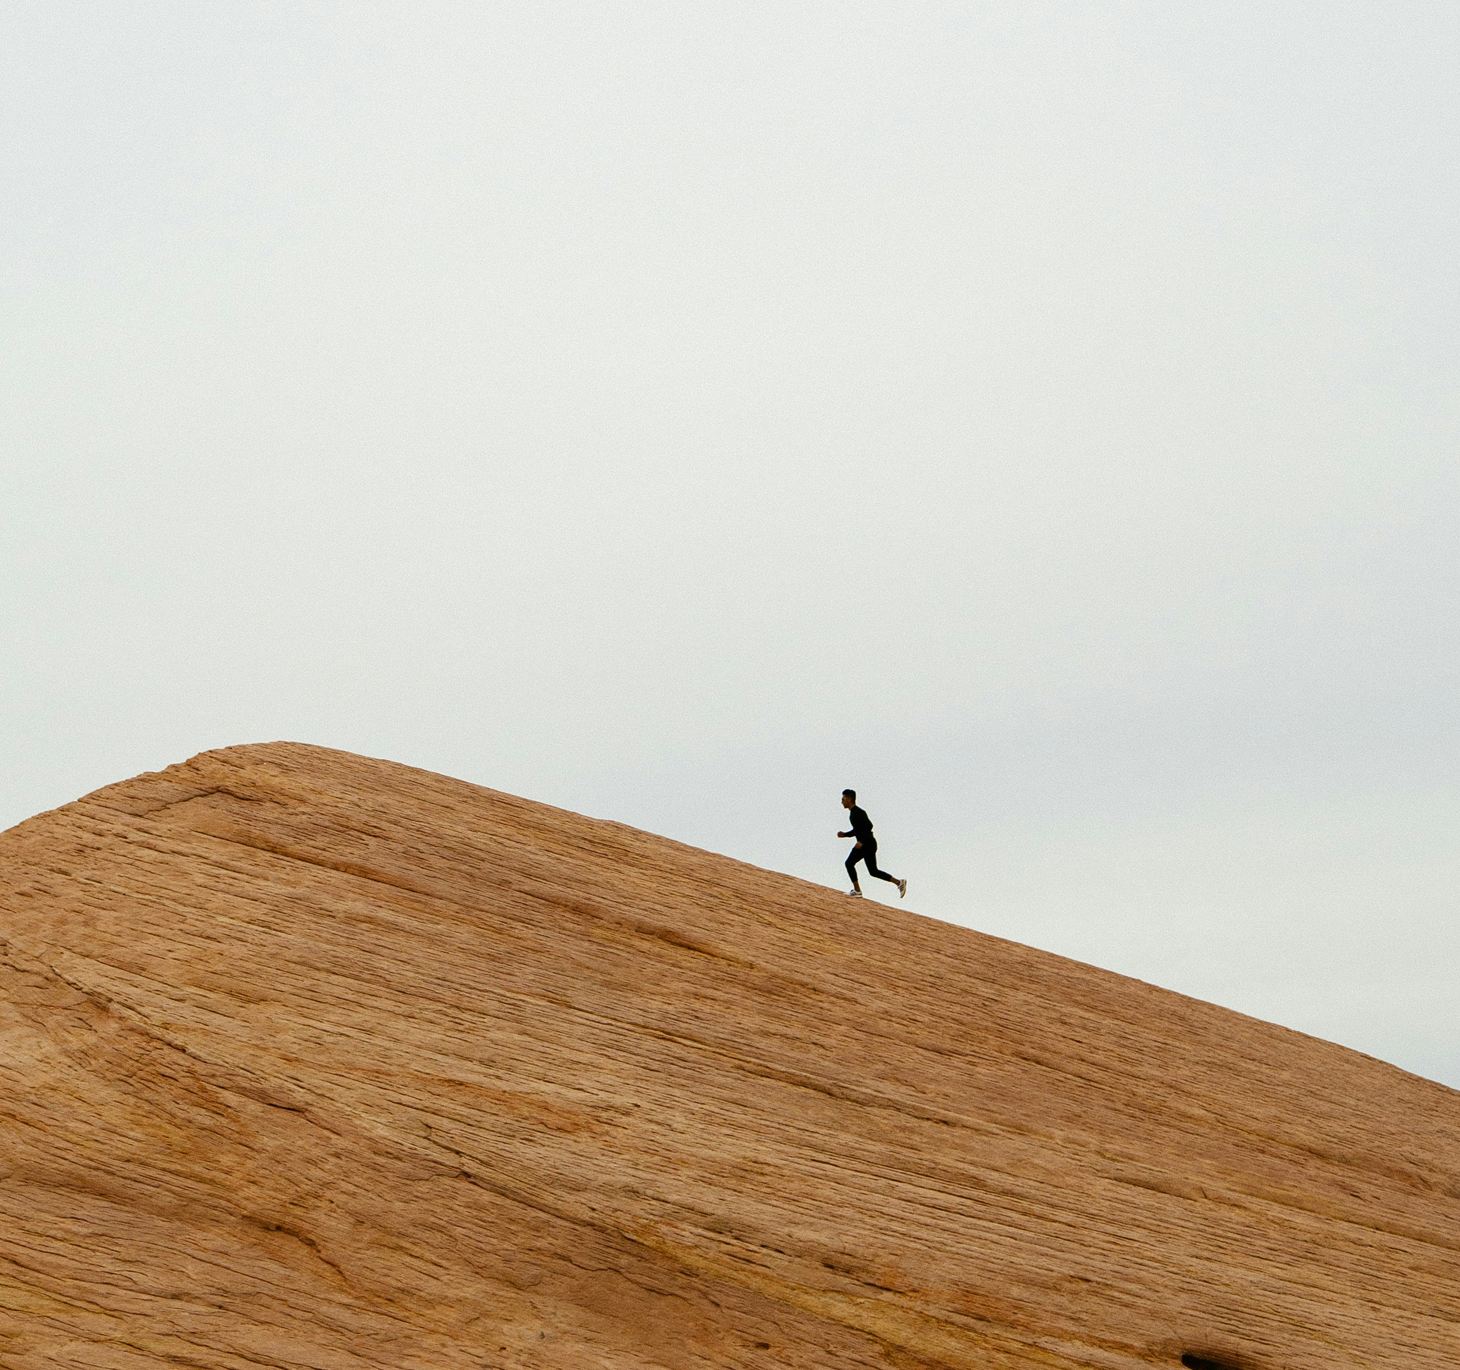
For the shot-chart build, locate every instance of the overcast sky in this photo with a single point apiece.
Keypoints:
(1041, 417)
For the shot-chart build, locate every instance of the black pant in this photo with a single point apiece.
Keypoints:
(867, 851)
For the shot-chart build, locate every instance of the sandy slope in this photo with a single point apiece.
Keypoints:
(312, 1060)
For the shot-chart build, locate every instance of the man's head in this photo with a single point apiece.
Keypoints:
(849, 797)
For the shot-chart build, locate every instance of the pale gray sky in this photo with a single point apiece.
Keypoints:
(1041, 417)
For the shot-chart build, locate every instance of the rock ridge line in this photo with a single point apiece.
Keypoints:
(314, 1060)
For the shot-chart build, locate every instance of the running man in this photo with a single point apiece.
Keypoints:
(865, 848)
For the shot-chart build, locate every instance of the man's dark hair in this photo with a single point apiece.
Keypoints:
(851, 794)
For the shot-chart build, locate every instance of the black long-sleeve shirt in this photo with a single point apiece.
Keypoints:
(861, 825)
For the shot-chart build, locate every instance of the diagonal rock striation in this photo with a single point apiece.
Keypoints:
(309, 1060)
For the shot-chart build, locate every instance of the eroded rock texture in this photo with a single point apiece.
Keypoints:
(311, 1060)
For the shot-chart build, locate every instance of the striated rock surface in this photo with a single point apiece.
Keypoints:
(308, 1060)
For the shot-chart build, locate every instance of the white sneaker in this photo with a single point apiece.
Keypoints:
(901, 888)
(854, 894)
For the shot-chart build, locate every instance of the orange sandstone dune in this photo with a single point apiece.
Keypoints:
(315, 1061)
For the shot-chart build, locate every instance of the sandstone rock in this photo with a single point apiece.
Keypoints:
(315, 1061)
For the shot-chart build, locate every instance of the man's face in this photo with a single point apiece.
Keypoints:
(846, 801)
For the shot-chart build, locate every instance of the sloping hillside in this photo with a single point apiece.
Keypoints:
(310, 1060)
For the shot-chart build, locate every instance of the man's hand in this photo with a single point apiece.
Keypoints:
(843, 834)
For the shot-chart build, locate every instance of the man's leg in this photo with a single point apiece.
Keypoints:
(856, 855)
(869, 855)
